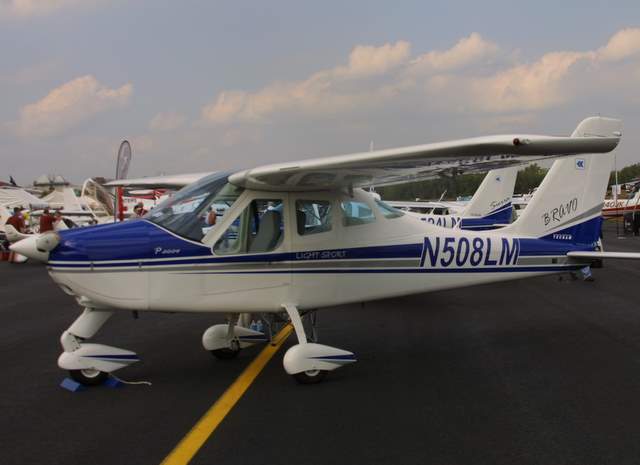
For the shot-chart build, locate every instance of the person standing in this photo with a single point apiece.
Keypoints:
(17, 220)
(139, 210)
(46, 221)
(57, 220)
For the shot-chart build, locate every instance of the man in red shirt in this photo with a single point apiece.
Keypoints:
(17, 220)
(139, 210)
(46, 221)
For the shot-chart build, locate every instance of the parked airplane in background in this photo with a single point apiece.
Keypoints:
(490, 206)
(521, 201)
(11, 197)
(618, 207)
(166, 184)
(94, 205)
(303, 235)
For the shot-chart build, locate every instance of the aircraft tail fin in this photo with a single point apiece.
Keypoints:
(568, 203)
(492, 200)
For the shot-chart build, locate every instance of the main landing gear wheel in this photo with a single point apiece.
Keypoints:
(89, 377)
(225, 354)
(310, 376)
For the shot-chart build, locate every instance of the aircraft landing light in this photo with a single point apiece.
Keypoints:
(202, 430)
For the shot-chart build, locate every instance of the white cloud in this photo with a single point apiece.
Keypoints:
(558, 77)
(320, 93)
(623, 44)
(366, 60)
(167, 121)
(68, 105)
(475, 75)
(29, 8)
(526, 87)
(468, 51)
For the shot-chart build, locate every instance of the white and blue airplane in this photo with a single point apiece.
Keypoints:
(304, 235)
(489, 208)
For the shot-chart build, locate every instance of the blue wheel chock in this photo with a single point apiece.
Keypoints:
(112, 383)
(71, 385)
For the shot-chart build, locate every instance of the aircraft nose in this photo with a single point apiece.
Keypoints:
(37, 247)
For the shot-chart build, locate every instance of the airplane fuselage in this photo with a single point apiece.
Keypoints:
(139, 265)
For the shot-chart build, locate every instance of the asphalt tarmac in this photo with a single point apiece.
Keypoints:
(538, 371)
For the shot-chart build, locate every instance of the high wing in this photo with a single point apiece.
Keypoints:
(400, 165)
(175, 181)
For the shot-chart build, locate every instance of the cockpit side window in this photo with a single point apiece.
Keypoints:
(194, 210)
(259, 228)
(313, 216)
(356, 213)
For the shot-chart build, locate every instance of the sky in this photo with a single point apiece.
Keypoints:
(203, 85)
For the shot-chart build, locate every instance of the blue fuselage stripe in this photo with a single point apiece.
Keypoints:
(515, 269)
(80, 251)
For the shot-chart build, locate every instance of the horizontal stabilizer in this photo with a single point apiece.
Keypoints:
(600, 255)
(597, 126)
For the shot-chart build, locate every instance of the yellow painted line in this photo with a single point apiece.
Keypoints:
(195, 439)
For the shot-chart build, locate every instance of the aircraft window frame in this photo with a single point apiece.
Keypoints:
(325, 224)
(388, 211)
(191, 224)
(245, 229)
(349, 221)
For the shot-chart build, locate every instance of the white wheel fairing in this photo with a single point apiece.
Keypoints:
(311, 357)
(97, 357)
(216, 337)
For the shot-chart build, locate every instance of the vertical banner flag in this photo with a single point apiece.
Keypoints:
(124, 159)
(122, 170)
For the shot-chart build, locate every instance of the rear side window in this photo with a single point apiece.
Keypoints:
(388, 211)
(356, 213)
(313, 216)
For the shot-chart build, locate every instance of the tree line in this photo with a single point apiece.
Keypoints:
(462, 185)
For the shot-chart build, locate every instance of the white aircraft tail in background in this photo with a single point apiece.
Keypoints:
(489, 208)
(491, 204)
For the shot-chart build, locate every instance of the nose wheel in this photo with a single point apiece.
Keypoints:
(90, 364)
(89, 376)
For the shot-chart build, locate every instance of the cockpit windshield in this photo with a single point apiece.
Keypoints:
(195, 209)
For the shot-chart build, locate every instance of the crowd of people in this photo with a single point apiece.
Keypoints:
(20, 220)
